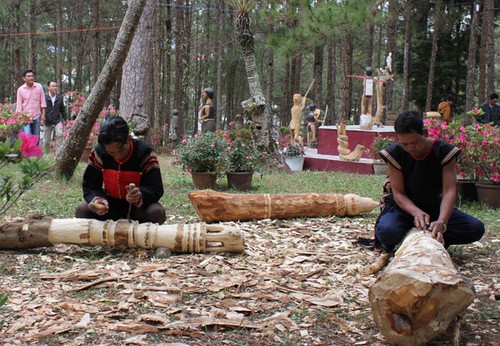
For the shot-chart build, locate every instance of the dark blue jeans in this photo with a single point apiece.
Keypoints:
(394, 223)
(33, 128)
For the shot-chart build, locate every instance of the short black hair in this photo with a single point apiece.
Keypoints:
(493, 96)
(312, 107)
(210, 92)
(50, 81)
(113, 130)
(409, 122)
(449, 97)
(26, 71)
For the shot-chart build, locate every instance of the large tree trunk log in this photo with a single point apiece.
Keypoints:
(180, 238)
(215, 206)
(419, 293)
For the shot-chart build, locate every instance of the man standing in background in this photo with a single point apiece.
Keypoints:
(53, 120)
(491, 111)
(31, 100)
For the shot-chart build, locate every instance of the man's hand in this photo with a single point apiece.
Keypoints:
(134, 195)
(437, 228)
(421, 220)
(99, 206)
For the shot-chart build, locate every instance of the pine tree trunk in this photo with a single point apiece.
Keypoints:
(136, 91)
(270, 77)
(158, 114)
(345, 82)
(74, 143)
(179, 38)
(419, 293)
(433, 57)
(392, 28)
(255, 108)
(489, 46)
(167, 66)
(371, 34)
(219, 53)
(406, 58)
(59, 53)
(14, 45)
(318, 77)
(32, 16)
(330, 85)
(95, 43)
(470, 82)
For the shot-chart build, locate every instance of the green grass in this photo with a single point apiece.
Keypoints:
(59, 198)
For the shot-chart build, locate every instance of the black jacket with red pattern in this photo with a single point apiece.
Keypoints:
(105, 177)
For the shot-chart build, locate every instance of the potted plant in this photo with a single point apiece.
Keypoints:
(293, 153)
(244, 160)
(478, 165)
(380, 143)
(204, 156)
(485, 156)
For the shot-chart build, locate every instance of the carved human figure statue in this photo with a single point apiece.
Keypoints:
(367, 98)
(299, 103)
(313, 122)
(206, 112)
(384, 76)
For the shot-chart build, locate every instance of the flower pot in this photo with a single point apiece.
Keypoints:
(239, 180)
(204, 180)
(380, 168)
(466, 190)
(296, 163)
(488, 194)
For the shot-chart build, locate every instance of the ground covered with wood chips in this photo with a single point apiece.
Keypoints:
(297, 283)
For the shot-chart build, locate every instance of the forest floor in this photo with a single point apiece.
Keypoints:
(298, 282)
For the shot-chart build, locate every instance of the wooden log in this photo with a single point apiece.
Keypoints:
(419, 293)
(213, 206)
(180, 238)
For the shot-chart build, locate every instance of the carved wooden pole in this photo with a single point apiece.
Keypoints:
(215, 206)
(180, 238)
(419, 293)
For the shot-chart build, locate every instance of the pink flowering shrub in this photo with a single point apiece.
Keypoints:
(480, 157)
(11, 121)
(75, 105)
(29, 146)
(92, 140)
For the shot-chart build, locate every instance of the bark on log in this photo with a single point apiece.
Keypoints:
(419, 293)
(180, 238)
(215, 206)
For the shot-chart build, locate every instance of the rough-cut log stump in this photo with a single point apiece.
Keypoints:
(215, 206)
(419, 293)
(180, 238)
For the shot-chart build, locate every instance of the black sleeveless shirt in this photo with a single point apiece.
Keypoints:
(423, 181)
